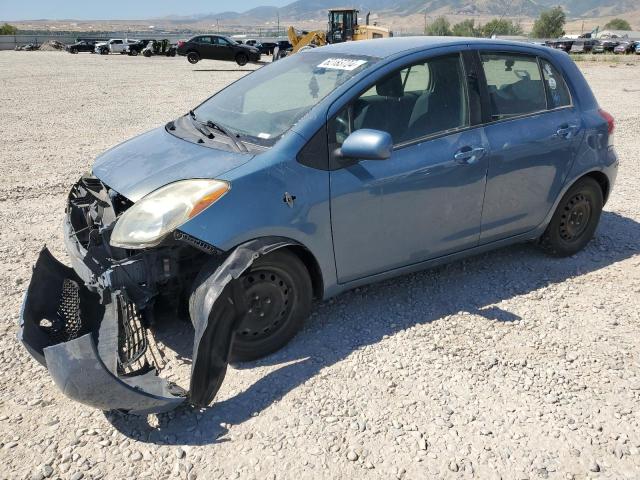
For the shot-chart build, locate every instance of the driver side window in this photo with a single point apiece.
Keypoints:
(416, 101)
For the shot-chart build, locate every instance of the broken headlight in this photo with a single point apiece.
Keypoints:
(147, 222)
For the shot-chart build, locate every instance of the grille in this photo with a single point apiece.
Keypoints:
(132, 338)
(67, 324)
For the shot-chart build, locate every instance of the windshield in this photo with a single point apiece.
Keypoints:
(268, 102)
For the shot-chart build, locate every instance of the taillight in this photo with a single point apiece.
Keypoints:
(611, 122)
(180, 43)
(611, 125)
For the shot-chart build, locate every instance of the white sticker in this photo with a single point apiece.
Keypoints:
(264, 135)
(552, 83)
(341, 63)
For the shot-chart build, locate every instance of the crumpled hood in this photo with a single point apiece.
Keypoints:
(154, 159)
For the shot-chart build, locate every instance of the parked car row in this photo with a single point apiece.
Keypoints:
(147, 47)
(591, 45)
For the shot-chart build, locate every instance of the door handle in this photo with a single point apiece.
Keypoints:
(565, 131)
(468, 155)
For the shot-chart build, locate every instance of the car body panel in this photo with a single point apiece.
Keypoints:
(157, 158)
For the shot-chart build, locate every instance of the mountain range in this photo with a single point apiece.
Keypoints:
(317, 9)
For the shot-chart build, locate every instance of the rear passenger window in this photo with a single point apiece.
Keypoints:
(515, 85)
(423, 99)
(557, 91)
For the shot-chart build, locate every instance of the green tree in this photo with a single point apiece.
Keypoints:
(550, 24)
(7, 29)
(466, 28)
(617, 24)
(500, 27)
(439, 27)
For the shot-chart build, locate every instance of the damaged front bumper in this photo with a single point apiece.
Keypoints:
(93, 350)
(89, 325)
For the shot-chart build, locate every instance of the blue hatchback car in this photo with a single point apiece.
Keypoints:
(332, 168)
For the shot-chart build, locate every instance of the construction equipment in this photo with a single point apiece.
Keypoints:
(343, 27)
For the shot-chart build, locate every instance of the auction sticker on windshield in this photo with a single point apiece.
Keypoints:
(341, 63)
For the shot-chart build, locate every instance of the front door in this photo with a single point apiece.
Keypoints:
(224, 50)
(426, 200)
(533, 132)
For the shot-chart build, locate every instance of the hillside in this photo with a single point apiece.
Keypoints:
(316, 9)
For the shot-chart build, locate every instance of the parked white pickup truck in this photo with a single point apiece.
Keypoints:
(114, 45)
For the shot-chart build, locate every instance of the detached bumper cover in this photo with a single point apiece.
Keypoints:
(80, 341)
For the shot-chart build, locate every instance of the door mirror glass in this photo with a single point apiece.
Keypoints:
(367, 144)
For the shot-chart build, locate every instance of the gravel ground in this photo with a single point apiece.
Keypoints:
(509, 365)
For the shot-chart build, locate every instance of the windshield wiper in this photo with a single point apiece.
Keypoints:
(209, 124)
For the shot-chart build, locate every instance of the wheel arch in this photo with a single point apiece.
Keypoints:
(301, 251)
(312, 266)
(603, 181)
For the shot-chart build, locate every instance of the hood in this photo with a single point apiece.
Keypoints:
(147, 162)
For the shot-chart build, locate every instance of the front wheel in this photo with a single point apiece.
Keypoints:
(278, 295)
(575, 219)
(133, 53)
(104, 51)
(242, 59)
(193, 57)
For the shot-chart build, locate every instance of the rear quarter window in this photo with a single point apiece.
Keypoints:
(557, 92)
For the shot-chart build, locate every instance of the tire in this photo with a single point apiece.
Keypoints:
(575, 219)
(193, 57)
(147, 53)
(134, 53)
(242, 59)
(74, 51)
(104, 51)
(279, 294)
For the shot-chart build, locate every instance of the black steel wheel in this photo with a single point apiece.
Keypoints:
(575, 219)
(242, 59)
(278, 294)
(193, 57)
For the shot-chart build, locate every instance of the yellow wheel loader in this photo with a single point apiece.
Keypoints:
(343, 27)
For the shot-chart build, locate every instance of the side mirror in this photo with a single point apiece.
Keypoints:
(367, 144)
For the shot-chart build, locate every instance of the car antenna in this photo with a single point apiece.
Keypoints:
(500, 19)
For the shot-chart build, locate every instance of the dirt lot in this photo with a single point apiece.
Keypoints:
(510, 365)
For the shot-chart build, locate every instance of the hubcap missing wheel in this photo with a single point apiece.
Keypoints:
(269, 304)
(575, 218)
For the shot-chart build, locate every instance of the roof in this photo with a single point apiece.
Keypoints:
(386, 47)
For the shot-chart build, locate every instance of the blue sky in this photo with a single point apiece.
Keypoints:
(120, 9)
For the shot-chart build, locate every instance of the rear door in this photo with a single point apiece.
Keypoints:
(205, 47)
(533, 131)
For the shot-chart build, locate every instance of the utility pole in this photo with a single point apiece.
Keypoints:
(278, 34)
(218, 24)
(425, 19)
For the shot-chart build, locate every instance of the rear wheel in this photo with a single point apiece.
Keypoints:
(193, 57)
(242, 59)
(134, 53)
(74, 50)
(278, 297)
(575, 219)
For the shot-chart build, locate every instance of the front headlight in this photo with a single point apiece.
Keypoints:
(147, 222)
